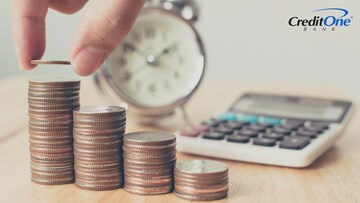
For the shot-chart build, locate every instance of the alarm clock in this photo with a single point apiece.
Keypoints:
(159, 64)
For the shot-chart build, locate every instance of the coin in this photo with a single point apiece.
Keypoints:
(154, 157)
(97, 188)
(52, 182)
(107, 132)
(50, 62)
(215, 196)
(51, 169)
(201, 180)
(81, 171)
(54, 81)
(149, 138)
(53, 101)
(146, 164)
(200, 184)
(98, 111)
(96, 140)
(148, 190)
(201, 167)
(144, 182)
(152, 175)
(205, 190)
(46, 143)
(53, 89)
(142, 148)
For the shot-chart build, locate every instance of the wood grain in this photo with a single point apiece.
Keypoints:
(334, 177)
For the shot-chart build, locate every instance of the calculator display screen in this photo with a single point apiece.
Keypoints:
(291, 108)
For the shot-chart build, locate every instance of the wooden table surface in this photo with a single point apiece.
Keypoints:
(334, 177)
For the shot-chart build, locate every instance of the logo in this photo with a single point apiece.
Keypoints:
(325, 19)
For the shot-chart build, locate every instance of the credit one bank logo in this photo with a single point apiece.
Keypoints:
(324, 19)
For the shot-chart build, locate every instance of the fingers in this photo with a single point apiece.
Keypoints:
(103, 26)
(28, 24)
(67, 6)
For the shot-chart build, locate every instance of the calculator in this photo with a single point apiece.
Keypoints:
(270, 129)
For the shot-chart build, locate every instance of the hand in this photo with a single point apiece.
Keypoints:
(100, 30)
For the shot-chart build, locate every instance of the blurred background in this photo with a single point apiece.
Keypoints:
(244, 40)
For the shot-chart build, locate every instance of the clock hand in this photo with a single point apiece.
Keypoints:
(153, 60)
(167, 50)
(128, 45)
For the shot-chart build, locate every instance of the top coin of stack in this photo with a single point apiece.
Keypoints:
(149, 159)
(51, 102)
(98, 134)
(201, 180)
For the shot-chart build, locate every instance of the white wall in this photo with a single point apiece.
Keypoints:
(245, 40)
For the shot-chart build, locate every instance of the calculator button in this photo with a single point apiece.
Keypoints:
(264, 142)
(292, 124)
(200, 128)
(193, 131)
(296, 142)
(314, 124)
(188, 132)
(313, 129)
(213, 135)
(259, 127)
(238, 138)
(248, 118)
(223, 129)
(247, 132)
(270, 120)
(273, 135)
(281, 130)
(227, 117)
(236, 124)
(212, 122)
(305, 133)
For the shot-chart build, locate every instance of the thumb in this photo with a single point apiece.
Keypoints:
(101, 29)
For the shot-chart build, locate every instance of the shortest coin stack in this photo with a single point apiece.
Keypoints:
(149, 159)
(201, 180)
(51, 104)
(98, 134)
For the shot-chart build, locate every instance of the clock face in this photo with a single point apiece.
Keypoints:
(159, 62)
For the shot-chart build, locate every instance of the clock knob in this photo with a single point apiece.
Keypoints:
(188, 9)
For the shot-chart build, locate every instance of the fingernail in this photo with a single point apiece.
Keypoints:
(88, 60)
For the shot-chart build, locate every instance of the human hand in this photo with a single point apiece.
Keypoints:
(103, 26)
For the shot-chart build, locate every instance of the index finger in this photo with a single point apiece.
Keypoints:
(28, 24)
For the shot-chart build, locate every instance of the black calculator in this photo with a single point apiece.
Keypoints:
(269, 129)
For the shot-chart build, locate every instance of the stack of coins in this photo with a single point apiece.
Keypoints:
(201, 180)
(51, 104)
(98, 134)
(149, 159)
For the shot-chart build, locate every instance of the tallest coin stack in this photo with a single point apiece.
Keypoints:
(51, 104)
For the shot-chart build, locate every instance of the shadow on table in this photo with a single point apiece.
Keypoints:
(330, 157)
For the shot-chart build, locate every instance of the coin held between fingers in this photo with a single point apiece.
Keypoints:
(50, 62)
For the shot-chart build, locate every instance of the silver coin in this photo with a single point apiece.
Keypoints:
(201, 167)
(99, 110)
(212, 197)
(149, 138)
(53, 81)
(50, 62)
